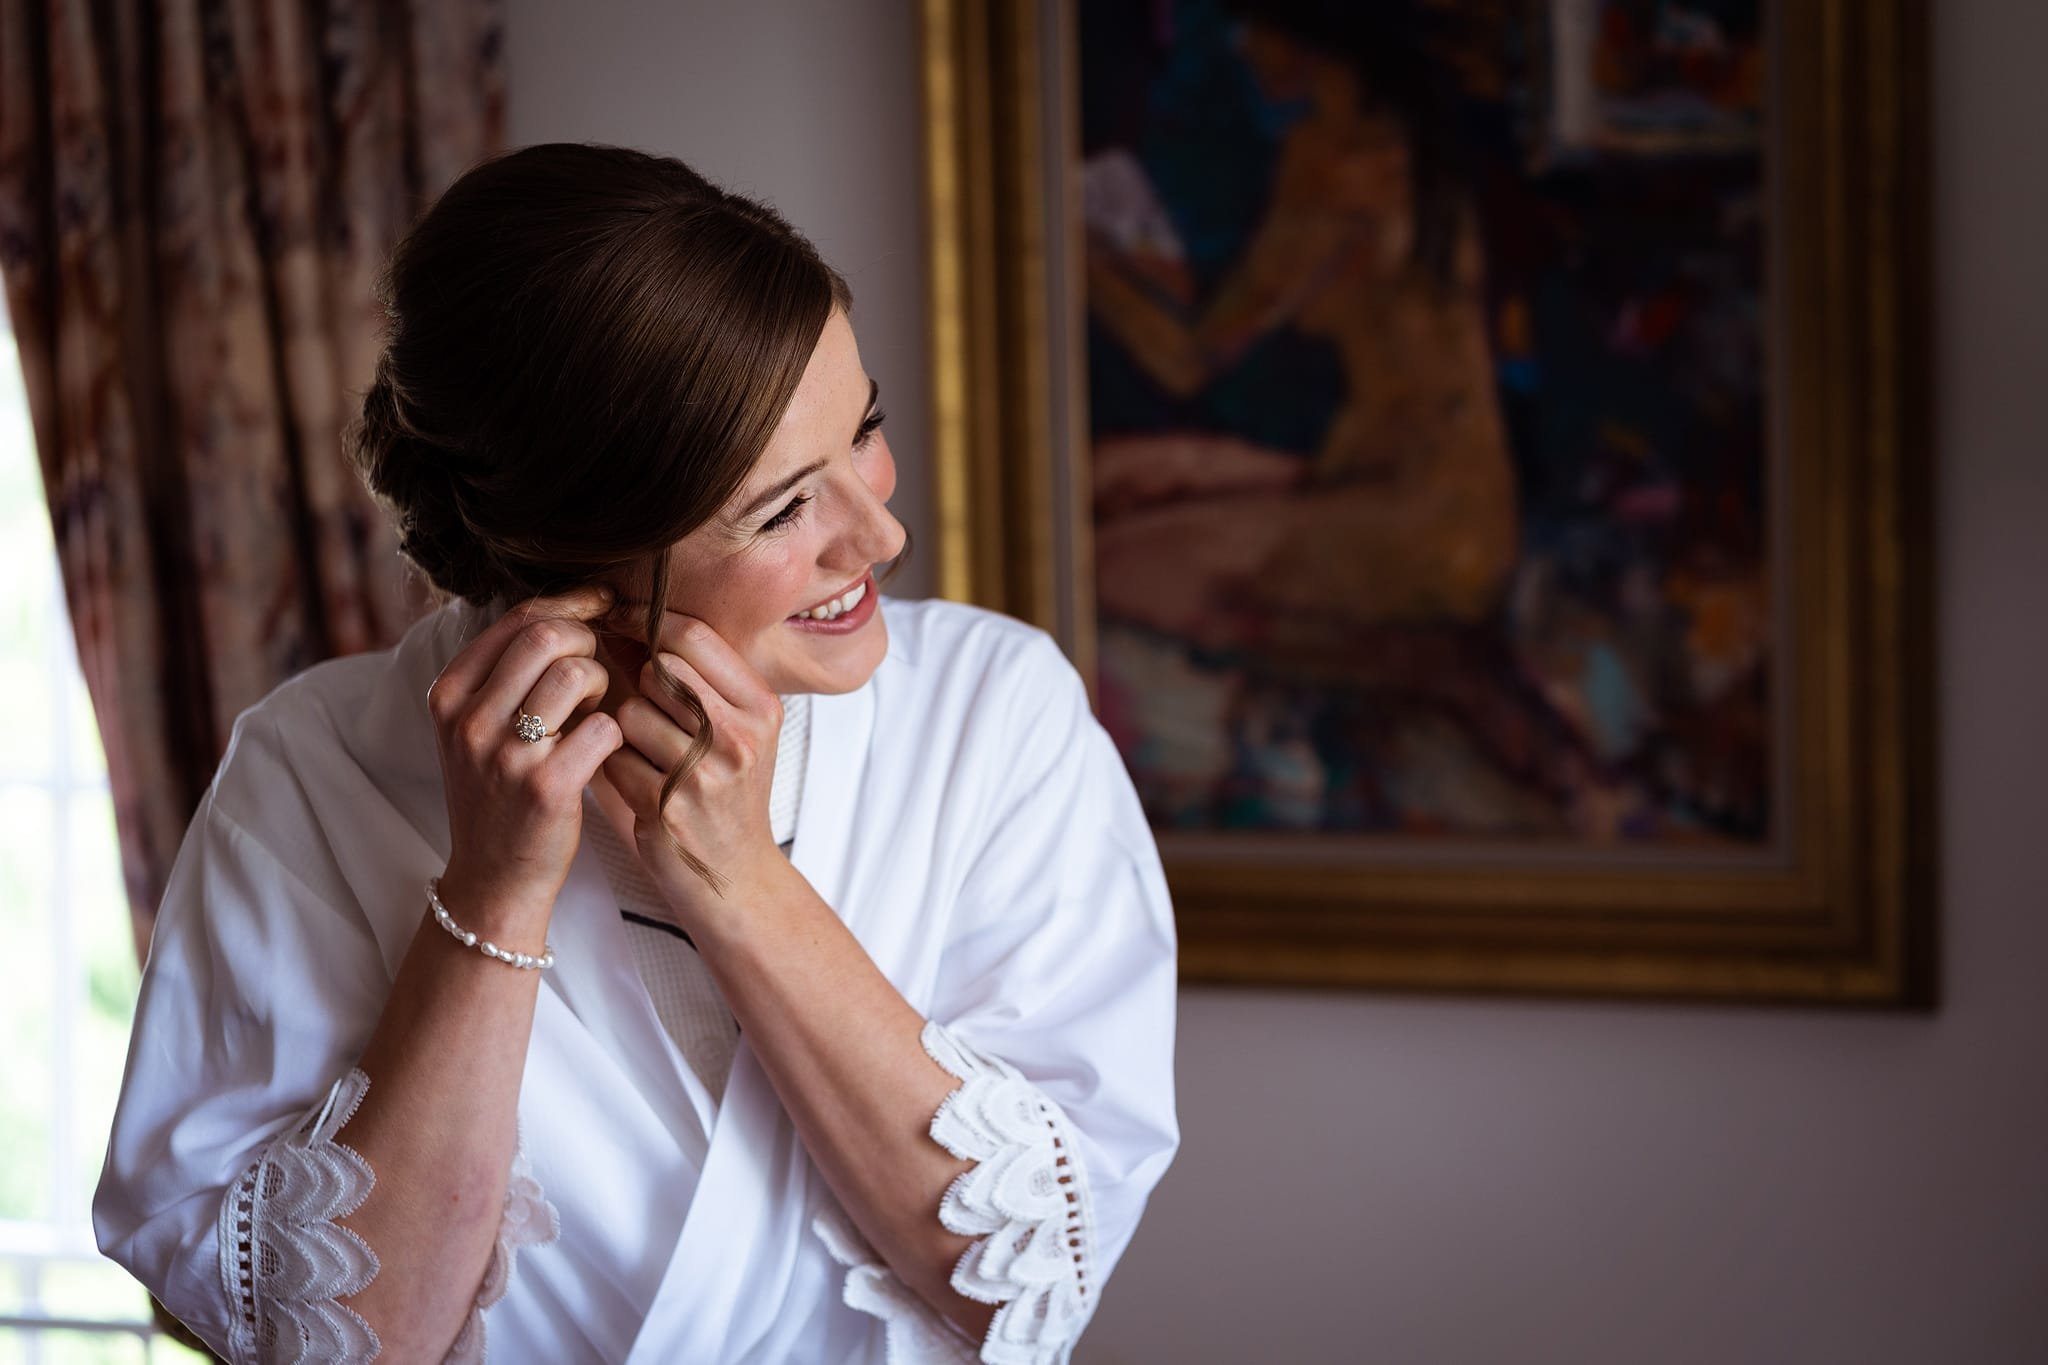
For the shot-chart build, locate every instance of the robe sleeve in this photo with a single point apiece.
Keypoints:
(225, 1171)
(1055, 1007)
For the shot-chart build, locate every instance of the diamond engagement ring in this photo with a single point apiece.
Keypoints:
(530, 728)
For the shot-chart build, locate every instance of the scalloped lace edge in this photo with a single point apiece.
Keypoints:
(1025, 1200)
(286, 1262)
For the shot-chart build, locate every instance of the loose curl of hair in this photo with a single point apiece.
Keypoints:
(587, 349)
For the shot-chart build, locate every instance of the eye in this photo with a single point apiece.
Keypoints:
(788, 515)
(868, 428)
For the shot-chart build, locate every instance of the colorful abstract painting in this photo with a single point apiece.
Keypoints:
(1431, 495)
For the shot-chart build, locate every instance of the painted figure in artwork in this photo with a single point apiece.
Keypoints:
(1406, 510)
(1427, 415)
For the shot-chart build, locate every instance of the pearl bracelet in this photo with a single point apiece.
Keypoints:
(467, 938)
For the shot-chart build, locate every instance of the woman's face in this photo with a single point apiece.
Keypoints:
(807, 526)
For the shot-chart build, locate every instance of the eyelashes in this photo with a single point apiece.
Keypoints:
(788, 514)
(794, 508)
(869, 428)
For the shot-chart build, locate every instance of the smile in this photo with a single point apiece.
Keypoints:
(834, 607)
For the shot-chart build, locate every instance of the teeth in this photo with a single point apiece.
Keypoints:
(838, 606)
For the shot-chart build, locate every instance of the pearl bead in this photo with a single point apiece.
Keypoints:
(468, 939)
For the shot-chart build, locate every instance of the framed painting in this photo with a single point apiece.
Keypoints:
(1477, 453)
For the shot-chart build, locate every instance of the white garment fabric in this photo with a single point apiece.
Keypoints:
(686, 998)
(792, 753)
(964, 814)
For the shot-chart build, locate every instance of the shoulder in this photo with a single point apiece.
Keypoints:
(937, 640)
(288, 733)
(352, 721)
(991, 701)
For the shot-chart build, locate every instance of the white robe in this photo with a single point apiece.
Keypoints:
(963, 812)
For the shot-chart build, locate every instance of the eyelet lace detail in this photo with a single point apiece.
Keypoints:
(1025, 1200)
(286, 1260)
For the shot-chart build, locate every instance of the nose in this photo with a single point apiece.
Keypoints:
(877, 535)
(872, 537)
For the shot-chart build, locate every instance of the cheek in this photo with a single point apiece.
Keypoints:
(768, 588)
(880, 469)
(744, 594)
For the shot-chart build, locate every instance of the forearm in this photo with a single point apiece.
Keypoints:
(842, 1048)
(439, 1126)
(1287, 260)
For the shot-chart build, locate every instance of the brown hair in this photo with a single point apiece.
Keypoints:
(588, 348)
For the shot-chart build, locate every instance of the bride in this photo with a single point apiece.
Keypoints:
(673, 949)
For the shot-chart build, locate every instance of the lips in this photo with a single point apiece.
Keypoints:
(842, 620)
(832, 596)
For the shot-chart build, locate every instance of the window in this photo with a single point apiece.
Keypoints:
(67, 975)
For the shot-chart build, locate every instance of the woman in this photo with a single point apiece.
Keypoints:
(796, 978)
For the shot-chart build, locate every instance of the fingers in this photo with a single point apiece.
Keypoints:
(469, 669)
(570, 684)
(584, 748)
(636, 779)
(651, 688)
(716, 662)
(527, 656)
(650, 732)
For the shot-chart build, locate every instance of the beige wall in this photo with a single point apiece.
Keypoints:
(1406, 1180)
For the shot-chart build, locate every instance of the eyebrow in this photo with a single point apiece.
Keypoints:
(791, 480)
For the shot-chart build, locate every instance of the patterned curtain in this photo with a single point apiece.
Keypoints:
(195, 197)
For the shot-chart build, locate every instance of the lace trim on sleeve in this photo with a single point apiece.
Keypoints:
(915, 1333)
(1026, 1202)
(286, 1261)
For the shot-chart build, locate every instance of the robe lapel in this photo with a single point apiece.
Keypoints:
(750, 1219)
(595, 977)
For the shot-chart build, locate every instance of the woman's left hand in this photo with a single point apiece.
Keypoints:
(720, 810)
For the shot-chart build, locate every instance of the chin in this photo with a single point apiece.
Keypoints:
(845, 669)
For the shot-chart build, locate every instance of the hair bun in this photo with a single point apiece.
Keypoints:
(415, 478)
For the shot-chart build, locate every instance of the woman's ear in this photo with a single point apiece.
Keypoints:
(621, 650)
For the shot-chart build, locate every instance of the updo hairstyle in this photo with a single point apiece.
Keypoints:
(588, 348)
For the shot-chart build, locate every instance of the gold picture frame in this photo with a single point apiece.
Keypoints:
(1844, 914)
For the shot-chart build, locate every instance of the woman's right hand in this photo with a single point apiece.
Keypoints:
(515, 809)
